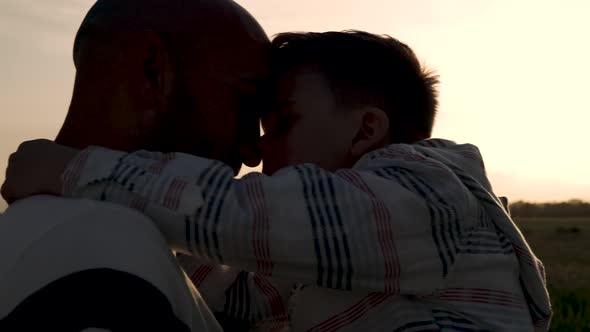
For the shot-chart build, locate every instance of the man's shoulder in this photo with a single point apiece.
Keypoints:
(27, 221)
(52, 210)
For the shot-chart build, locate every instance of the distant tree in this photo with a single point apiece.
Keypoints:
(571, 208)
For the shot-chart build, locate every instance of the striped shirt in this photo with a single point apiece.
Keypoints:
(411, 238)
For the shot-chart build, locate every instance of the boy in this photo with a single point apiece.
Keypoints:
(371, 224)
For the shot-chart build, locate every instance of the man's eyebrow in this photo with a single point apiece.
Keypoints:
(256, 85)
(284, 104)
(258, 81)
(282, 108)
(248, 80)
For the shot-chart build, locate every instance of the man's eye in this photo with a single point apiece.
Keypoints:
(254, 98)
(283, 124)
(252, 103)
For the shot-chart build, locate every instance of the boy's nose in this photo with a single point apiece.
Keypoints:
(263, 144)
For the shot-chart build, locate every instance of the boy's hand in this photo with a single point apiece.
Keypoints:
(36, 168)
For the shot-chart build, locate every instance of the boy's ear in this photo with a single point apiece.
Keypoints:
(372, 132)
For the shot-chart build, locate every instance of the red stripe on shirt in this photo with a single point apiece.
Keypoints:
(256, 218)
(479, 295)
(256, 200)
(480, 299)
(200, 274)
(138, 203)
(172, 197)
(524, 254)
(486, 291)
(385, 234)
(72, 174)
(264, 231)
(351, 314)
(272, 296)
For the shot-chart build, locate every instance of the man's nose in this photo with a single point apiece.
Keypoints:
(249, 137)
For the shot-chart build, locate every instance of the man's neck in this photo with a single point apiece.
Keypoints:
(90, 123)
(99, 116)
(81, 135)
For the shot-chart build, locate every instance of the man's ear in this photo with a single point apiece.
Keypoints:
(372, 132)
(151, 70)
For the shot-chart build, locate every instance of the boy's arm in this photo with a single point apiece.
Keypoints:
(347, 230)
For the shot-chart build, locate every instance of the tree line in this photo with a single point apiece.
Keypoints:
(571, 208)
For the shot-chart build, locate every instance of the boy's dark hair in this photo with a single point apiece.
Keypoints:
(367, 70)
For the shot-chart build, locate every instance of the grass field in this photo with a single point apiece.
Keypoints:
(564, 247)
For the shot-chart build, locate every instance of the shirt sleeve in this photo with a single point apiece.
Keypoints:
(238, 296)
(354, 229)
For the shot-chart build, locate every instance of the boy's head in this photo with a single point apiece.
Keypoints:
(343, 94)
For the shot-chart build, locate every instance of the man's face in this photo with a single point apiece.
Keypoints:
(305, 125)
(219, 95)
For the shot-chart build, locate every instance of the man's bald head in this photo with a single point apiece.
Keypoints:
(167, 75)
(174, 20)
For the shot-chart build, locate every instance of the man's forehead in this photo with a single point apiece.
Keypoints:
(239, 64)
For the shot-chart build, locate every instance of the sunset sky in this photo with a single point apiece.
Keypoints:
(515, 75)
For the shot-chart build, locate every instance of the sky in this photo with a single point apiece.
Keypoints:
(514, 75)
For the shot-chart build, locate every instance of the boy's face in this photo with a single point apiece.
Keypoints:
(306, 125)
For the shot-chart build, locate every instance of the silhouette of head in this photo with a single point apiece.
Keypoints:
(169, 75)
(343, 94)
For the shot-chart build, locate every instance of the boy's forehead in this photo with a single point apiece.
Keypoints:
(299, 79)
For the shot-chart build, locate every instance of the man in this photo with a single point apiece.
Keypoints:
(150, 74)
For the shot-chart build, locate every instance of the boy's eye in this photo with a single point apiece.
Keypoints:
(280, 120)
